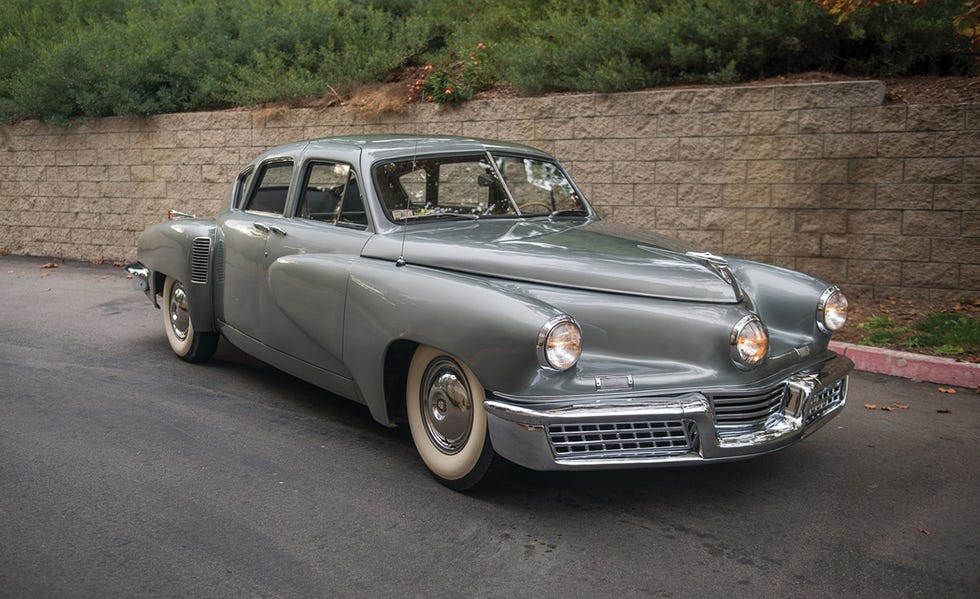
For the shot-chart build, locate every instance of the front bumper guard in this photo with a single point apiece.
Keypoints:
(520, 432)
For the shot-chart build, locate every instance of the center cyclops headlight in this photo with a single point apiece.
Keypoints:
(749, 341)
(559, 343)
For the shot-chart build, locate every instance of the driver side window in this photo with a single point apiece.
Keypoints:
(331, 194)
(322, 191)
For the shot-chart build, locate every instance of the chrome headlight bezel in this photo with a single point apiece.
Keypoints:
(736, 342)
(833, 302)
(550, 343)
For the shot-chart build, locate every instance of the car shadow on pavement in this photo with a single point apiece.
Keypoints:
(585, 490)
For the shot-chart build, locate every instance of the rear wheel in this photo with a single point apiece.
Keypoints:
(188, 344)
(444, 401)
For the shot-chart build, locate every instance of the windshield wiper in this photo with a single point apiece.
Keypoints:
(570, 212)
(436, 215)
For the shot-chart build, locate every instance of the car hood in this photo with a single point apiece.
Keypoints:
(575, 253)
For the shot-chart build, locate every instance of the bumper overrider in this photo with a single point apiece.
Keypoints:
(642, 431)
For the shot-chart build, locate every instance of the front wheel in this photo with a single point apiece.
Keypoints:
(444, 401)
(188, 344)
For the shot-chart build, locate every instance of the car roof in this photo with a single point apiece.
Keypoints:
(381, 147)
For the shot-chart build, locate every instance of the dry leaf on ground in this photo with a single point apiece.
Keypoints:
(924, 531)
(870, 406)
(949, 390)
(98, 261)
(118, 264)
(49, 265)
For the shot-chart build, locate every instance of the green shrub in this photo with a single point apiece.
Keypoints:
(611, 46)
(458, 80)
(62, 59)
(184, 55)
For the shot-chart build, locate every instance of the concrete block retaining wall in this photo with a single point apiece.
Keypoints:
(824, 178)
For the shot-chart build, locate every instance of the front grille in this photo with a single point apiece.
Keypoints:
(200, 252)
(823, 399)
(622, 439)
(738, 413)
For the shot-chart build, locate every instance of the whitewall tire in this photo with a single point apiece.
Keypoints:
(444, 401)
(188, 344)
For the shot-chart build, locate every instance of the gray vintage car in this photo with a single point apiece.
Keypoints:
(467, 288)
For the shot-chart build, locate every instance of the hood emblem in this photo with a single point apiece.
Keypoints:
(709, 257)
(720, 267)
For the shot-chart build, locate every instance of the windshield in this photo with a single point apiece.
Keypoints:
(475, 186)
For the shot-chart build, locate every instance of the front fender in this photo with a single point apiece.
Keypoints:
(494, 331)
(786, 300)
(168, 249)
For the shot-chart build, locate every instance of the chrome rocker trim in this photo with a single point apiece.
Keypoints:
(521, 433)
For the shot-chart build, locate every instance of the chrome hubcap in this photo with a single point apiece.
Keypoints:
(446, 405)
(179, 317)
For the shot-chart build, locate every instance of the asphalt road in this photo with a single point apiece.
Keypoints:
(125, 472)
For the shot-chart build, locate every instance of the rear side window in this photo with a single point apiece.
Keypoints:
(239, 191)
(269, 195)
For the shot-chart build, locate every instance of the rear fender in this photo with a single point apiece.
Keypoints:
(167, 249)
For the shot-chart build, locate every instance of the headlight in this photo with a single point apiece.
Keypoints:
(750, 342)
(831, 310)
(559, 343)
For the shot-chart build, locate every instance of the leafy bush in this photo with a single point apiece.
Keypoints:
(611, 46)
(145, 57)
(457, 81)
(61, 59)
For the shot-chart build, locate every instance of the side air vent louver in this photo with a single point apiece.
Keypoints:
(200, 258)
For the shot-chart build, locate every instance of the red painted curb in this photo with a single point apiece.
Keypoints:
(932, 369)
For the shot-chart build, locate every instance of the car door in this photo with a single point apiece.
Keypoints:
(244, 234)
(308, 265)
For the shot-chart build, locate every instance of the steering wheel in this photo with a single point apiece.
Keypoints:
(547, 207)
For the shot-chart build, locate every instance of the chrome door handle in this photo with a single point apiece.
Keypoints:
(277, 230)
(261, 227)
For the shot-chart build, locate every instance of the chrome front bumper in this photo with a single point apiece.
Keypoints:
(637, 431)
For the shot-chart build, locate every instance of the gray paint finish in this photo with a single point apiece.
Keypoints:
(327, 303)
